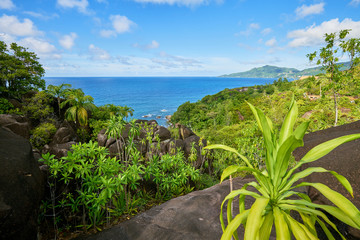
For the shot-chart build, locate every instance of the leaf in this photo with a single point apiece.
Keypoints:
(281, 226)
(255, 218)
(326, 147)
(311, 170)
(234, 225)
(233, 169)
(321, 150)
(289, 122)
(230, 149)
(299, 230)
(265, 230)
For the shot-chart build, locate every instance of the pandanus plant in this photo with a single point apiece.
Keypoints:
(278, 183)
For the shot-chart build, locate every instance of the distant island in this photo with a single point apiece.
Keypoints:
(268, 71)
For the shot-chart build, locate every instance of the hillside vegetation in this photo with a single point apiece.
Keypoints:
(225, 118)
(280, 72)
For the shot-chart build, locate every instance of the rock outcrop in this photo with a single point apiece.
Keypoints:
(345, 160)
(16, 123)
(194, 216)
(21, 188)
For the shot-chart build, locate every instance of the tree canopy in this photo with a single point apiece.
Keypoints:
(20, 71)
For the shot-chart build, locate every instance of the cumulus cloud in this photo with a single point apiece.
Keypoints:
(154, 44)
(304, 10)
(97, 53)
(81, 5)
(271, 43)
(249, 30)
(7, 4)
(188, 3)
(355, 2)
(41, 47)
(13, 26)
(314, 35)
(68, 41)
(120, 24)
(266, 31)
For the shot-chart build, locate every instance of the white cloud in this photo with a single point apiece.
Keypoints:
(107, 33)
(303, 11)
(271, 43)
(249, 30)
(11, 25)
(188, 3)
(81, 5)
(154, 44)
(171, 61)
(40, 47)
(266, 31)
(68, 41)
(355, 2)
(7, 4)
(41, 16)
(120, 24)
(314, 35)
(97, 53)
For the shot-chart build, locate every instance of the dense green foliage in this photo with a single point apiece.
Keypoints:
(42, 134)
(39, 107)
(5, 106)
(20, 71)
(277, 183)
(89, 187)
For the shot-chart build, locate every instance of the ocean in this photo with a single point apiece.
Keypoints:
(153, 97)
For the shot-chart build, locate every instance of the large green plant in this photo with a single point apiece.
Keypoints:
(278, 183)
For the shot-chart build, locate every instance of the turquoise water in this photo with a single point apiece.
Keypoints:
(153, 97)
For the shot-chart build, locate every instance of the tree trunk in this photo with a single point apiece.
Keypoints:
(336, 109)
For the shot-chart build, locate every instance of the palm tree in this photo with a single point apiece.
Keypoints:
(80, 104)
(58, 92)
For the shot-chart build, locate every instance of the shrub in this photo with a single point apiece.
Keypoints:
(277, 183)
(5, 106)
(42, 134)
(38, 107)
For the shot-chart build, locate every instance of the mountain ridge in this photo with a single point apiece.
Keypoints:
(268, 71)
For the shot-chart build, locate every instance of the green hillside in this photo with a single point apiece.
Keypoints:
(268, 71)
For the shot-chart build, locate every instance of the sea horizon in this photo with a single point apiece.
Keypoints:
(153, 97)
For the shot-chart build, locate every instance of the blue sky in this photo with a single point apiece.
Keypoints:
(172, 37)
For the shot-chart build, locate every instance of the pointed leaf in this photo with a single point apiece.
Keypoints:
(281, 226)
(289, 122)
(255, 218)
(234, 225)
(230, 149)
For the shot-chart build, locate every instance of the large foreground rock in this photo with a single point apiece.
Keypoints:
(194, 216)
(345, 160)
(21, 188)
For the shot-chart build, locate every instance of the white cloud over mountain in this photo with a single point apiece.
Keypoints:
(314, 35)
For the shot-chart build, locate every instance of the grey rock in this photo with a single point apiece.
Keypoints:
(15, 123)
(21, 188)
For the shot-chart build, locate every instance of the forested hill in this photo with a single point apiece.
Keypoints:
(268, 71)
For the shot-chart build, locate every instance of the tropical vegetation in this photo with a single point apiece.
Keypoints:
(278, 183)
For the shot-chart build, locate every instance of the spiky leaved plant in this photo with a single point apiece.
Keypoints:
(277, 183)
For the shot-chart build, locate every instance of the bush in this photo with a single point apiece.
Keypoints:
(38, 107)
(42, 134)
(5, 106)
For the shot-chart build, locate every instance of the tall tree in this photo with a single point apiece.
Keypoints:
(352, 48)
(20, 71)
(58, 92)
(328, 57)
(80, 104)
